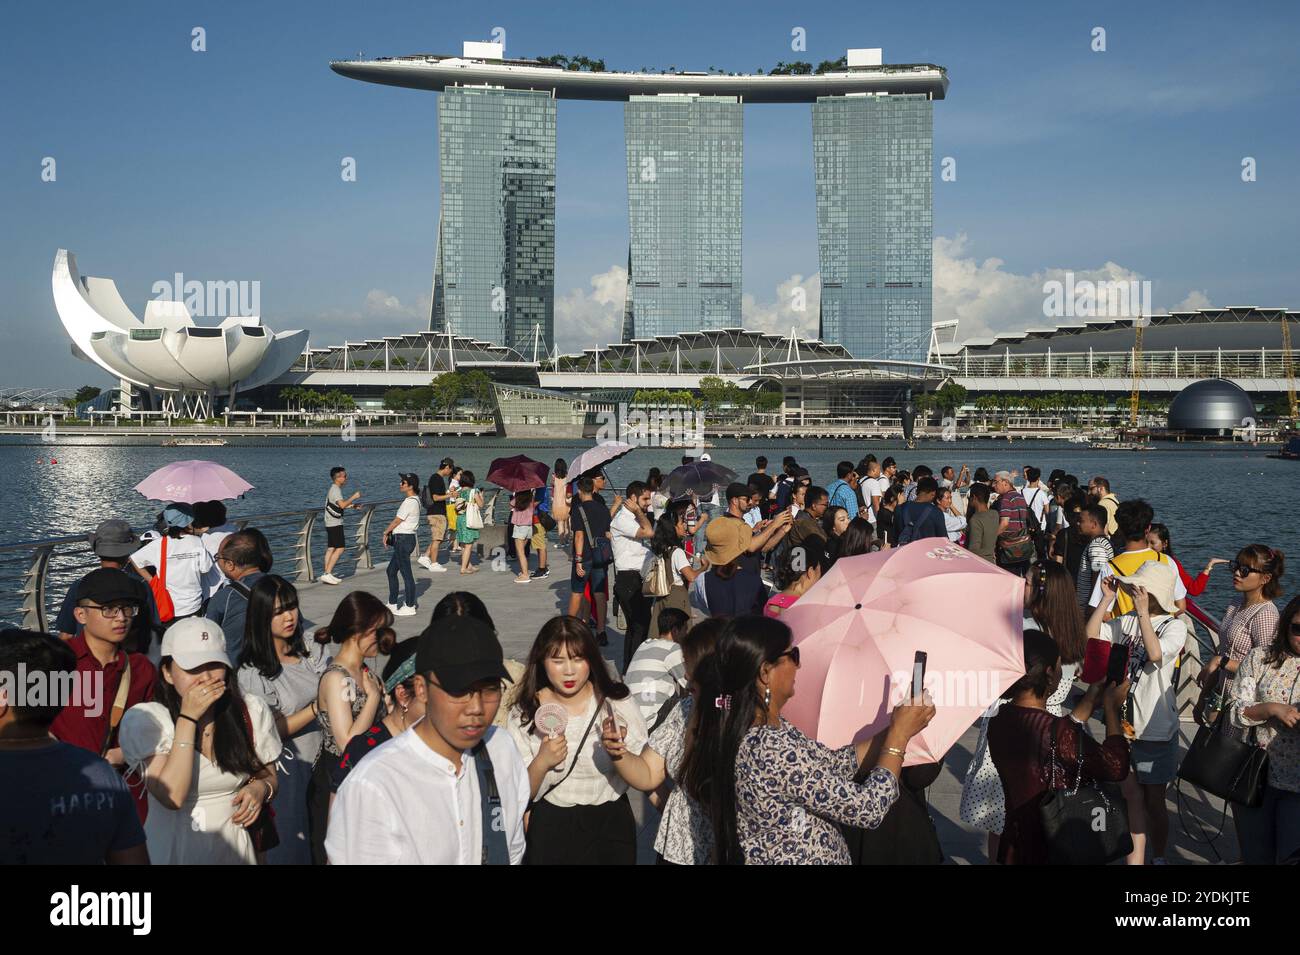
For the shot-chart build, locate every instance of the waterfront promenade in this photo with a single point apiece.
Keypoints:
(519, 610)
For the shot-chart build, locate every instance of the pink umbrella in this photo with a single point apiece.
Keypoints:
(858, 628)
(193, 481)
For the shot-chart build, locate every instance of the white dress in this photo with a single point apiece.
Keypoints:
(200, 831)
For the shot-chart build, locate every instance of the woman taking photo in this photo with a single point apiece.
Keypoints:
(406, 710)
(205, 753)
(467, 495)
(1265, 696)
(400, 536)
(278, 667)
(774, 796)
(684, 836)
(669, 546)
(1020, 741)
(580, 810)
(1251, 619)
(350, 698)
(834, 522)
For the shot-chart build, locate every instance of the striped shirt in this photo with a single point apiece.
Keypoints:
(653, 675)
(1095, 558)
(1013, 508)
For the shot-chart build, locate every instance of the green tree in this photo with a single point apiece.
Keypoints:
(950, 397)
(85, 393)
(446, 391)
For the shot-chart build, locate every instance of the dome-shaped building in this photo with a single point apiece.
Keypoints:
(1212, 406)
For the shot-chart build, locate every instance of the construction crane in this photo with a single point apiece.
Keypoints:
(1288, 369)
(1138, 324)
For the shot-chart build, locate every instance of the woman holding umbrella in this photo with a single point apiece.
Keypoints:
(179, 559)
(773, 795)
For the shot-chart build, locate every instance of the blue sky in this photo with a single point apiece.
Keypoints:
(225, 164)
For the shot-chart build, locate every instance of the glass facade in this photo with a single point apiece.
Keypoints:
(684, 180)
(494, 271)
(872, 159)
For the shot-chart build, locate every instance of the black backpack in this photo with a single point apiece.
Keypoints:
(1034, 528)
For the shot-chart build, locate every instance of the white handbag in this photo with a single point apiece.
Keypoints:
(473, 516)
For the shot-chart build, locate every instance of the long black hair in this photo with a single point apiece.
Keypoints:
(232, 746)
(259, 645)
(666, 539)
(728, 706)
(576, 636)
(1280, 649)
(462, 603)
(856, 538)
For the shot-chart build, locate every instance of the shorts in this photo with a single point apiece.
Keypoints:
(1154, 761)
(334, 537)
(521, 532)
(438, 525)
(595, 575)
(539, 537)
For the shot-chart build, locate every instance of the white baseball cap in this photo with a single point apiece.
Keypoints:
(705, 456)
(194, 641)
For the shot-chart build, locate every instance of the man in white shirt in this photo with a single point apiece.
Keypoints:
(452, 789)
(1155, 635)
(873, 489)
(1036, 494)
(629, 531)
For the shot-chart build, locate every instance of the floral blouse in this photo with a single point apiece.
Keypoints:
(792, 791)
(1257, 682)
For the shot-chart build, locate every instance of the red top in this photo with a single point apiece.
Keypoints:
(1020, 742)
(75, 725)
(1195, 585)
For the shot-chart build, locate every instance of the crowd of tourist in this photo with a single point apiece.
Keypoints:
(224, 732)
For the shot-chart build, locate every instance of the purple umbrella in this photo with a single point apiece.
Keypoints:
(193, 481)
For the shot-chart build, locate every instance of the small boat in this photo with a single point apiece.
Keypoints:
(195, 443)
(1119, 446)
(1289, 451)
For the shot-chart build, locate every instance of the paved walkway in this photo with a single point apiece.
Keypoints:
(519, 610)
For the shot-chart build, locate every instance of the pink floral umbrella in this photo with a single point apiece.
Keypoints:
(859, 627)
(192, 481)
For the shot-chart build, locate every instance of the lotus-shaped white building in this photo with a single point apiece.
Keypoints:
(167, 352)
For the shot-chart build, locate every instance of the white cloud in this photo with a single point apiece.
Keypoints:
(984, 297)
(795, 305)
(584, 319)
(1196, 298)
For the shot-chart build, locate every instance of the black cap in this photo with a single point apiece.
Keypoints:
(108, 584)
(460, 651)
(736, 489)
(446, 463)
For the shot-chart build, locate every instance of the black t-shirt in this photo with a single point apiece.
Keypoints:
(597, 519)
(763, 482)
(437, 485)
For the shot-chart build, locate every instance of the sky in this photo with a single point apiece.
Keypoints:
(225, 164)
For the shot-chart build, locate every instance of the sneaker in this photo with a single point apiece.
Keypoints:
(437, 568)
(404, 611)
(425, 562)
(395, 609)
(541, 573)
(329, 579)
(523, 580)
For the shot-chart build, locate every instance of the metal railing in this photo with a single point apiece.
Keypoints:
(35, 576)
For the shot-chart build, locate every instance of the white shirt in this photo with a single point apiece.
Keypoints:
(408, 512)
(629, 552)
(753, 516)
(874, 487)
(1037, 497)
(954, 525)
(404, 804)
(594, 780)
(212, 539)
(675, 565)
(187, 561)
(1154, 692)
(1180, 589)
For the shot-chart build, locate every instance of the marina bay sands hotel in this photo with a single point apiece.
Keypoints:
(494, 270)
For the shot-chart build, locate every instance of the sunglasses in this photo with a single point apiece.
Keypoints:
(1243, 570)
(792, 653)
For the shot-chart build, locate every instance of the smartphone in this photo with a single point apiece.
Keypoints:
(1117, 664)
(918, 674)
